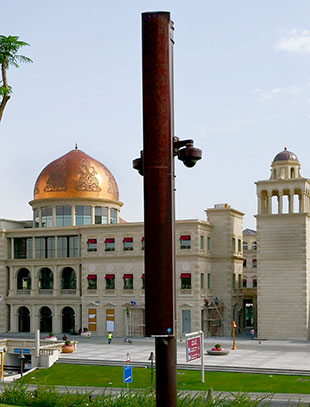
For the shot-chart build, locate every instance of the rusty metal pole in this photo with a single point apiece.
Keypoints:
(158, 200)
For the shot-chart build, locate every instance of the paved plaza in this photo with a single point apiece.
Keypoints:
(286, 355)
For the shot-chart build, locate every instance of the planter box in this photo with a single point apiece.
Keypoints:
(222, 352)
(86, 334)
(67, 348)
(51, 338)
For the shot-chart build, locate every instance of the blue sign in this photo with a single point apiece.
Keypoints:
(127, 374)
(19, 350)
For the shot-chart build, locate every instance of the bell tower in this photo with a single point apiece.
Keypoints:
(283, 235)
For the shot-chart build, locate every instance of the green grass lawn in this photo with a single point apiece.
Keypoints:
(107, 376)
(8, 405)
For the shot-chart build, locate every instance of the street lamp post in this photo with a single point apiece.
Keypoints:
(156, 164)
(21, 357)
(234, 326)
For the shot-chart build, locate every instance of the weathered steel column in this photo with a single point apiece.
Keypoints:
(158, 199)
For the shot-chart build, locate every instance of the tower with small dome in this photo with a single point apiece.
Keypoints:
(283, 231)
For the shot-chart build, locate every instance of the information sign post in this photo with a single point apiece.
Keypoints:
(195, 349)
(127, 375)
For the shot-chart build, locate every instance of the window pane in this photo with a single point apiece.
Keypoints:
(113, 216)
(82, 215)
(36, 215)
(185, 243)
(73, 246)
(110, 283)
(128, 283)
(40, 252)
(101, 215)
(233, 243)
(47, 217)
(50, 247)
(63, 215)
(20, 248)
(29, 247)
(186, 283)
(92, 283)
(202, 242)
(209, 243)
(62, 246)
(92, 245)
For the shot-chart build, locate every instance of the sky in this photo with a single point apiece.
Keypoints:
(241, 91)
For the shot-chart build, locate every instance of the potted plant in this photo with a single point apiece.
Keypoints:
(217, 347)
(68, 347)
(217, 350)
(85, 333)
(51, 337)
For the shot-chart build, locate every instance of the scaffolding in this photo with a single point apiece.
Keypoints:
(215, 322)
(135, 320)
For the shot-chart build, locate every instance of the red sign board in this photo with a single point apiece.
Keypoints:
(193, 348)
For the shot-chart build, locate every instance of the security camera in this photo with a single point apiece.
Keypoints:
(138, 164)
(189, 155)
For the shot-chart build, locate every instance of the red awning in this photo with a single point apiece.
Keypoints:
(143, 276)
(109, 276)
(93, 241)
(244, 280)
(254, 260)
(142, 239)
(186, 275)
(127, 276)
(111, 240)
(254, 280)
(127, 239)
(185, 237)
(92, 277)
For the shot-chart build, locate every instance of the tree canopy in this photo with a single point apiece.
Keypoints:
(9, 47)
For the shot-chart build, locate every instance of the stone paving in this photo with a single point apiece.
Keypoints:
(294, 355)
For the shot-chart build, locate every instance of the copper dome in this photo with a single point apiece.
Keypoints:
(76, 175)
(285, 155)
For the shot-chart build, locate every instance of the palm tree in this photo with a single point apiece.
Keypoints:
(9, 47)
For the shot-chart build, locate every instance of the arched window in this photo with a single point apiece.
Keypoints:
(68, 320)
(68, 279)
(254, 263)
(23, 319)
(46, 279)
(292, 172)
(254, 245)
(23, 279)
(46, 323)
(245, 245)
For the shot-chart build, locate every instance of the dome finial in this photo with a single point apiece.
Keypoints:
(285, 148)
(76, 146)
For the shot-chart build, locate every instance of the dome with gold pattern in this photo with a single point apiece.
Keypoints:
(76, 175)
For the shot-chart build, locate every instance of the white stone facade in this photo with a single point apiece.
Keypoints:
(70, 277)
(283, 251)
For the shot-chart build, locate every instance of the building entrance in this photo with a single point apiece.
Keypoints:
(68, 320)
(23, 319)
(46, 323)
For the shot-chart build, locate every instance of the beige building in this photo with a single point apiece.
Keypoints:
(78, 264)
(249, 281)
(283, 235)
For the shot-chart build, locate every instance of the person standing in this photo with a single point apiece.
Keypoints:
(109, 336)
(252, 333)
